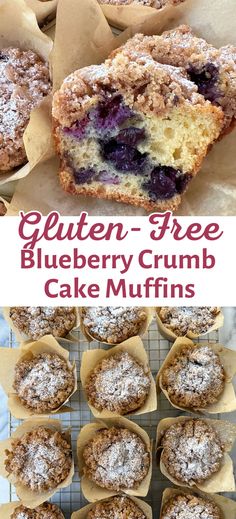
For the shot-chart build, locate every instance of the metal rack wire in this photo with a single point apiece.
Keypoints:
(71, 498)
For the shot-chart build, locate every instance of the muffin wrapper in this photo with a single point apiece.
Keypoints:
(227, 400)
(44, 10)
(10, 357)
(83, 27)
(143, 328)
(227, 506)
(19, 28)
(82, 513)
(29, 498)
(171, 336)
(223, 480)
(93, 492)
(24, 339)
(134, 347)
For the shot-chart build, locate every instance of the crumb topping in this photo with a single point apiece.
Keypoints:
(37, 321)
(44, 382)
(118, 507)
(113, 324)
(44, 511)
(188, 506)
(156, 4)
(194, 377)
(40, 460)
(116, 459)
(24, 81)
(192, 451)
(184, 319)
(118, 384)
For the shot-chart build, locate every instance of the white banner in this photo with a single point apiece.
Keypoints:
(154, 260)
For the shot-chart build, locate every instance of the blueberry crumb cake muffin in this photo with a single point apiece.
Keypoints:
(40, 460)
(118, 507)
(192, 451)
(44, 511)
(119, 383)
(113, 324)
(37, 321)
(188, 506)
(24, 82)
(194, 377)
(183, 319)
(212, 70)
(116, 459)
(156, 4)
(44, 382)
(132, 130)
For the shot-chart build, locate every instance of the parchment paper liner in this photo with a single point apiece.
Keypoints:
(143, 328)
(123, 16)
(227, 506)
(7, 509)
(43, 10)
(227, 399)
(83, 37)
(171, 336)
(134, 347)
(19, 28)
(82, 513)
(93, 492)
(23, 338)
(221, 481)
(29, 498)
(11, 356)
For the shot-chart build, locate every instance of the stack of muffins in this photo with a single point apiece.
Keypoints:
(115, 454)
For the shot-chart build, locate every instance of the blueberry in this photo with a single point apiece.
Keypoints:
(78, 130)
(206, 78)
(131, 136)
(165, 182)
(123, 157)
(110, 113)
(84, 175)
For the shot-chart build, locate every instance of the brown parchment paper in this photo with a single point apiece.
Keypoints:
(10, 357)
(227, 506)
(171, 336)
(19, 28)
(134, 347)
(83, 512)
(44, 10)
(83, 37)
(221, 481)
(143, 328)
(93, 492)
(29, 498)
(23, 338)
(227, 399)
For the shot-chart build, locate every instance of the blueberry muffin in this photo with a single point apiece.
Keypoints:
(116, 459)
(118, 384)
(194, 378)
(44, 382)
(37, 321)
(113, 324)
(44, 511)
(24, 82)
(192, 451)
(132, 130)
(156, 4)
(212, 70)
(40, 460)
(183, 319)
(187, 506)
(118, 507)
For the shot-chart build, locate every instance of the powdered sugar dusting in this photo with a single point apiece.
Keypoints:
(184, 319)
(113, 324)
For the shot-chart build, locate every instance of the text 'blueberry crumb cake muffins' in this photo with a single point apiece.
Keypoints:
(33, 322)
(117, 507)
(119, 384)
(24, 82)
(194, 377)
(132, 130)
(113, 324)
(188, 506)
(192, 451)
(44, 511)
(116, 459)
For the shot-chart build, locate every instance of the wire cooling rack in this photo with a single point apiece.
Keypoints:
(71, 498)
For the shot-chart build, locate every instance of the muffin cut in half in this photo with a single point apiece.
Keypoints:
(132, 130)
